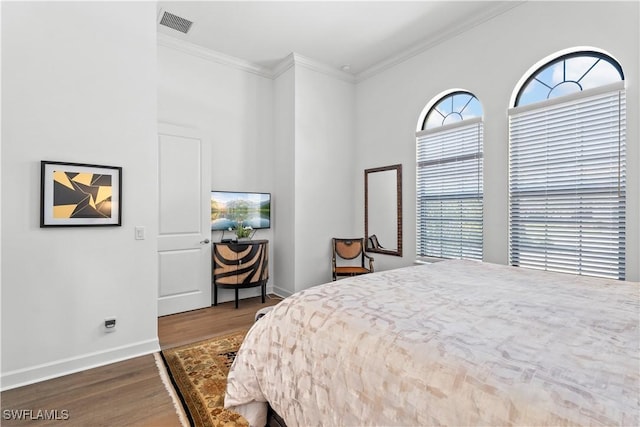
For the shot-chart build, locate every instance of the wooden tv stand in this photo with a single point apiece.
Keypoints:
(239, 265)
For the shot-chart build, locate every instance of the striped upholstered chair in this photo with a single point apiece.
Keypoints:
(349, 250)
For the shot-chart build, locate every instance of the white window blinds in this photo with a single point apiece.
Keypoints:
(567, 184)
(449, 191)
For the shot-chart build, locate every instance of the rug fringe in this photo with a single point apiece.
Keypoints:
(162, 369)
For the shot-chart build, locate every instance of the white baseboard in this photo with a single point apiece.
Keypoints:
(281, 292)
(228, 295)
(58, 368)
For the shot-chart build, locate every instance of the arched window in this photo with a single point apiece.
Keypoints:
(449, 178)
(567, 167)
(570, 73)
(452, 108)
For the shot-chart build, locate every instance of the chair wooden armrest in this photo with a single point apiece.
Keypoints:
(370, 261)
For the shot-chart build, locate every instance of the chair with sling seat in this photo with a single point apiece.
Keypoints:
(349, 249)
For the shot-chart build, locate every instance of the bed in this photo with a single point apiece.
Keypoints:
(455, 343)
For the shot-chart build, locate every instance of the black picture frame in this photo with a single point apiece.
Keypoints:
(79, 194)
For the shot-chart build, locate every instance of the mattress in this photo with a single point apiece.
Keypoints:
(455, 343)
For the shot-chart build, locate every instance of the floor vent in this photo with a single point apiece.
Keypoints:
(174, 21)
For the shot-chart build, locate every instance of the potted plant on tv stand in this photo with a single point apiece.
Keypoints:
(242, 232)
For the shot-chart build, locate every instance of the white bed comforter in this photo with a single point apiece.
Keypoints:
(455, 343)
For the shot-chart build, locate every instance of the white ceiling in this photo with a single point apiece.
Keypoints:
(360, 34)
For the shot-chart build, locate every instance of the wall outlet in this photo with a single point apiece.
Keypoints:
(110, 324)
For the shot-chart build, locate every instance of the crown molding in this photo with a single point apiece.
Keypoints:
(320, 67)
(243, 65)
(488, 14)
(282, 66)
(211, 55)
(295, 59)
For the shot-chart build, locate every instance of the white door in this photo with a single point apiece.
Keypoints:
(184, 248)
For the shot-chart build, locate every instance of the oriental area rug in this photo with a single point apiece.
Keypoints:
(199, 373)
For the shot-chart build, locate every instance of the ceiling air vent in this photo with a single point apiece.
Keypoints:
(174, 21)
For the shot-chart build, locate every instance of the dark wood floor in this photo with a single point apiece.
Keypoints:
(129, 393)
(197, 325)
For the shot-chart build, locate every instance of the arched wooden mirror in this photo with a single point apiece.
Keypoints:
(383, 209)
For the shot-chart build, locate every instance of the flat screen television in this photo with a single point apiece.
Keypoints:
(230, 208)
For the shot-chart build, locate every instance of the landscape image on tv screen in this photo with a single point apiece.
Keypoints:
(229, 209)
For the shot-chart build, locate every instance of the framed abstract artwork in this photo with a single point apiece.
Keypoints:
(76, 194)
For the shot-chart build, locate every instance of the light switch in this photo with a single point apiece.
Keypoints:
(139, 233)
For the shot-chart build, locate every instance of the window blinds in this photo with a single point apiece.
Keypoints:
(567, 184)
(449, 191)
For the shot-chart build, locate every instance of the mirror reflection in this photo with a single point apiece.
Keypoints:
(383, 209)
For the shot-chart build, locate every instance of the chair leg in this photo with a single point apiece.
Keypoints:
(215, 294)
(236, 297)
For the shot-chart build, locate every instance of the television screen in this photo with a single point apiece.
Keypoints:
(228, 209)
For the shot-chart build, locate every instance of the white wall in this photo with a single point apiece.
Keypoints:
(231, 107)
(78, 85)
(313, 138)
(284, 260)
(489, 60)
(324, 170)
